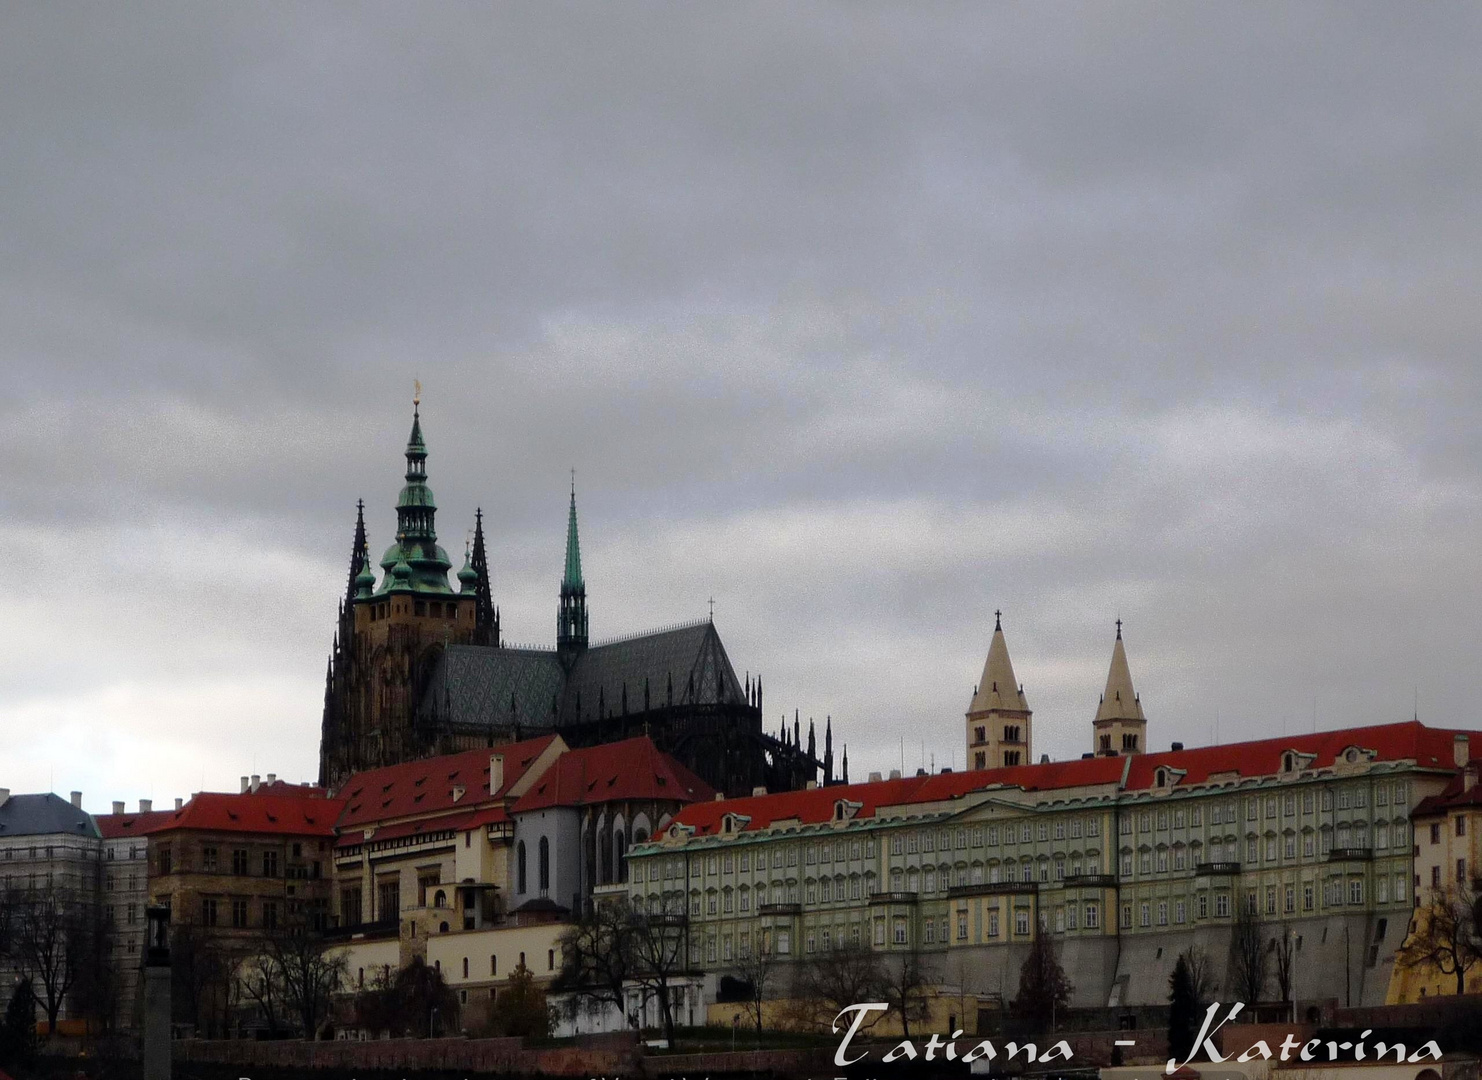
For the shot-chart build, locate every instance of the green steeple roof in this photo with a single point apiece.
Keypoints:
(415, 562)
(572, 577)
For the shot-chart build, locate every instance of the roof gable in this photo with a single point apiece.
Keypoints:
(436, 784)
(632, 769)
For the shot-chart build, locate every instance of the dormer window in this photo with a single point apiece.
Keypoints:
(844, 809)
(734, 823)
(1289, 763)
(1161, 778)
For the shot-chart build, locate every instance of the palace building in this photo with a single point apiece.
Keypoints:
(419, 668)
(1126, 859)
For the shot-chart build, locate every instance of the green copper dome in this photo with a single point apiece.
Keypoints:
(468, 577)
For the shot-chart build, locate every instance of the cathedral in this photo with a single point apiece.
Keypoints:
(418, 668)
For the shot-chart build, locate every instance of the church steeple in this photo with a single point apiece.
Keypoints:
(571, 615)
(415, 561)
(486, 615)
(1120, 726)
(359, 554)
(998, 718)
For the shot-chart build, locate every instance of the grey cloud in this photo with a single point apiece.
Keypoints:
(867, 320)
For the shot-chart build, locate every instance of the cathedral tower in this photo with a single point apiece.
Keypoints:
(390, 634)
(571, 614)
(998, 720)
(1119, 727)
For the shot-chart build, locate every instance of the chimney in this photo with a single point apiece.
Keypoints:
(496, 773)
(946, 772)
(1044, 759)
(246, 782)
(145, 805)
(4, 795)
(1178, 746)
(272, 779)
(118, 806)
(179, 802)
(874, 778)
(77, 799)
(1086, 755)
(811, 785)
(256, 783)
(720, 796)
(760, 789)
(1461, 750)
(1469, 775)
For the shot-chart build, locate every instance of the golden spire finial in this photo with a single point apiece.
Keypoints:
(416, 392)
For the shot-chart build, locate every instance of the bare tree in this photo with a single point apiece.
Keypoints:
(309, 972)
(620, 944)
(1247, 969)
(260, 981)
(1201, 975)
(904, 982)
(595, 962)
(757, 969)
(1284, 953)
(45, 929)
(832, 978)
(657, 941)
(1445, 934)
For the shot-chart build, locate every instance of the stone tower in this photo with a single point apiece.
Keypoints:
(999, 718)
(390, 635)
(1120, 726)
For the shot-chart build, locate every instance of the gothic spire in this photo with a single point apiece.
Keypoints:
(486, 616)
(571, 615)
(359, 554)
(572, 578)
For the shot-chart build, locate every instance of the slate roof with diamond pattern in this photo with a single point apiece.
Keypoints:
(481, 685)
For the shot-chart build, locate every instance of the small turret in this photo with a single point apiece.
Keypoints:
(468, 577)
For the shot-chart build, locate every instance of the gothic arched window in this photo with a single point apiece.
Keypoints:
(520, 866)
(545, 866)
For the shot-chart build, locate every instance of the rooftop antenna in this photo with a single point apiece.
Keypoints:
(903, 754)
(1216, 727)
(1416, 714)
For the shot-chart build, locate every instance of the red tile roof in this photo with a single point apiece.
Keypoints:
(488, 815)
(1410, 741)
(631, 769)
(116, 826)
(426, 786)
(285, 815)
(284, 787)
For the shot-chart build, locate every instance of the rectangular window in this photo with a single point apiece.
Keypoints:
(993, 924)
(239, 913)
(1222, 905)
(1162, 861)
(1162, 912)
(1270, 899)
(1356, 891)
(1196, 815)
(1180, 912)
(208, 911)
(900, 931)
(1306, 802)
(1093, 916)
(1145, 917)
(1126, 922)
(1307, 896)
(993, 836)
(1203, 906)
(1178, 819)
(1021, 922)
(208, 860)
(1093, 827)
(1059, 830)
(269, 864)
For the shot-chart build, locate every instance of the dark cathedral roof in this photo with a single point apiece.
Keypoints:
(474, 684)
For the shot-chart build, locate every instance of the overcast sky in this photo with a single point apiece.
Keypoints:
(866, 320)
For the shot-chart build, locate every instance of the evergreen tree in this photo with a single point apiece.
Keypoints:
(1043, 987)
(18, 1031)
(521, 1009)
(1183, 1010)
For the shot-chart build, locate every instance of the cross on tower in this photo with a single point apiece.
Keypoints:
(712, 609)
(1119, 628)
